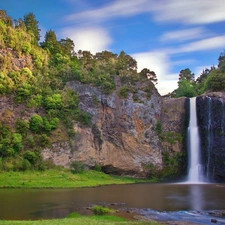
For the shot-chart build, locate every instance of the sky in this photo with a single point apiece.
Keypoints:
(164, 36)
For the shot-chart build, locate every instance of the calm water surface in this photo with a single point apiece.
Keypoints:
(57, 203)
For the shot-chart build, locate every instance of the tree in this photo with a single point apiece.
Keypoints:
(216, 80)
(105, 55)
(19, 24)
(32, 27)
(5, 19)
(51, 43)
(186, 88)
(126, 62)
(67, 46)
(186, 74)
(146, 73)
(203, 76)
(221, 61)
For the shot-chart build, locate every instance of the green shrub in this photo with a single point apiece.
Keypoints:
(99, 210)
(30, 156)
(1, 164)
(7, 166)
(97, 167)
(36, 123)
(77, 167)
(35, 101)
(73, 215)
(17, 142)
(25, 165)
(84, 118)
(9, 152)
(30, 142)
(158, 128)
(22, 126)
(44, 140)
(124, 91)
(53, 102)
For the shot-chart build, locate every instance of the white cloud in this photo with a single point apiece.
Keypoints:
(184, 35)
(191, 12)
(93, 39)
(217, 42)
(160, 64)
(116, 9)
(168, 86)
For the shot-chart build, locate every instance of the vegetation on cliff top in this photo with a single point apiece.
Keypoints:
(211, 79)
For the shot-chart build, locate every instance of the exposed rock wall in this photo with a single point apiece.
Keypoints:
(123, 137)
(211, 122)
(175, 119)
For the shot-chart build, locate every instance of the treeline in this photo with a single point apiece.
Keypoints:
(34, 74)
(211, 79)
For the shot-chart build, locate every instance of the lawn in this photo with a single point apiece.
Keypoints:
(60, 178)
(83, 220)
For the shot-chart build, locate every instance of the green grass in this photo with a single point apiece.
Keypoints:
(88, 220)
(60, 178)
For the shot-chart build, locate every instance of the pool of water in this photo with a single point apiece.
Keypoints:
(159, 200)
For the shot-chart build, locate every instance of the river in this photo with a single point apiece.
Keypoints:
(193, 202)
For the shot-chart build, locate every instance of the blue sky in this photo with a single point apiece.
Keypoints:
(165, 36)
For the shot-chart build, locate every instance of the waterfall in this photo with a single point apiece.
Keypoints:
(194, 165)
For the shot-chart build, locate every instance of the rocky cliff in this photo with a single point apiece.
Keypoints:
(127, 135)
(211, 122)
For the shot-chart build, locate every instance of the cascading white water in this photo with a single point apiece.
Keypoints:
(194, 166)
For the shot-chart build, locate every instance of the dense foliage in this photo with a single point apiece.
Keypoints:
(210, 80)
(34, 75)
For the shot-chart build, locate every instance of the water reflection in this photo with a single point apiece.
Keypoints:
(196, 197)
(57, 203)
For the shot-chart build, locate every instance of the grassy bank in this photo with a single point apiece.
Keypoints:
(93, 220)
(60, 178)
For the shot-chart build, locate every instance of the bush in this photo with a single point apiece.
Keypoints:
(97, 167)
(99, 210)
(30, 156)
(22, 126)
(25, 165)
(1, 164)
(124, 91)
(158, 128)
(53, 102)
(44, 140)
(77, 167)
(84, 118)
(36, 123)
(73, 215)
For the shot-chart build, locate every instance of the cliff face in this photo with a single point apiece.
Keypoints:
(175, 119)
(211, 122)
(125, 135)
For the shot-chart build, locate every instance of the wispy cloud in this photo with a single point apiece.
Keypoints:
(217, 42)
(190, 12)
(185, 34)
(116, 9)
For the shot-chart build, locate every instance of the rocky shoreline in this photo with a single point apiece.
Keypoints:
(170, 218)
